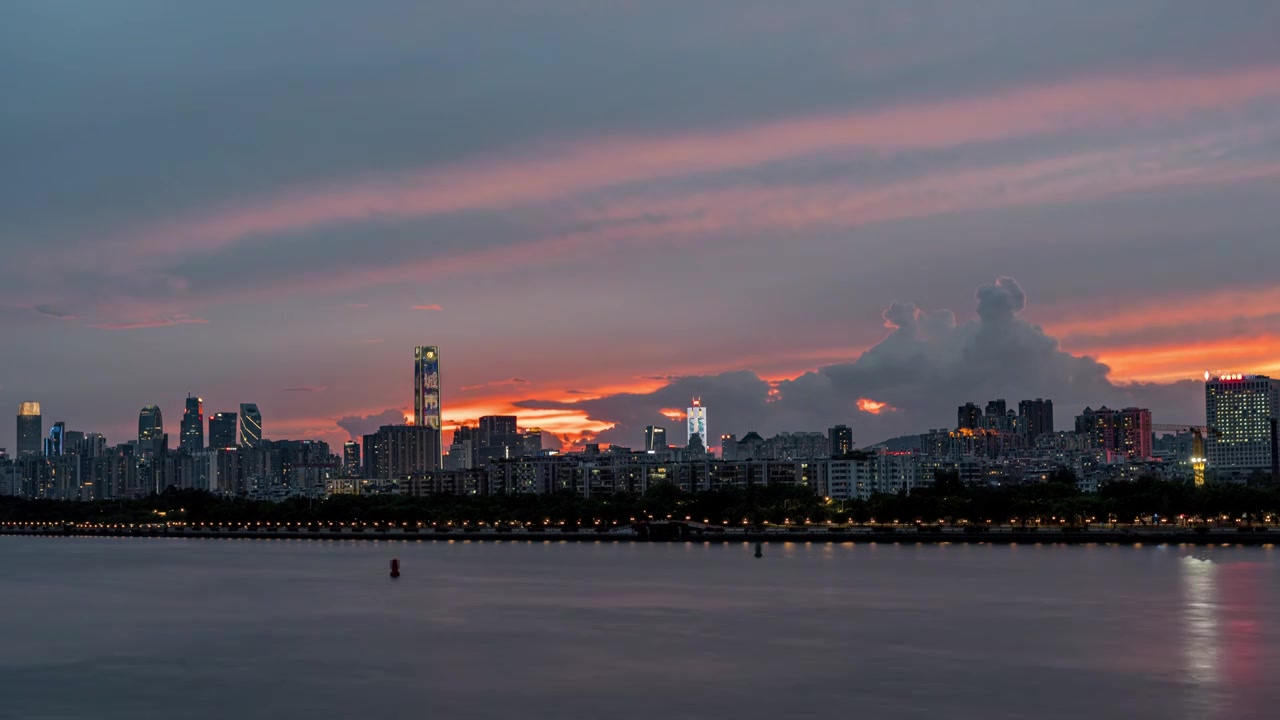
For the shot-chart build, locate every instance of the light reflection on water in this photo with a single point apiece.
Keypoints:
(118, 628)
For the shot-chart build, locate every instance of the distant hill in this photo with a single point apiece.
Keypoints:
(901, 443)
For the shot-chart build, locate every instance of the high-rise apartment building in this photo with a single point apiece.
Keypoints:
(1242, 413)
(1035, 418)
(30, 429)
(840, 440)
(398, 450)
(250, 426)
(150, 430)
(998, 417)
(192, 425)
(351, 459)
(532, 441)
(222, 430)
(969, 417)
(655, 438)
(696, 421)
(498, 437)
(1124, 432)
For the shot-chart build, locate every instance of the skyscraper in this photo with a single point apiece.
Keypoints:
(1035, 418)
(997, 416)
(1242, 413)
(655, 438)
(250, 426)
(426, 392)
(840, 440)
(532, 441)
(56, 444)
(222, 430)
(150, 429)
(193, 425)
(30, 429)
(697, 422)
(426, 386)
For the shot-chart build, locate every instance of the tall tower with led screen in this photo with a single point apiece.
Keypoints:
(426, 390)
(1241, 411)
(697, 421)
(30, 428)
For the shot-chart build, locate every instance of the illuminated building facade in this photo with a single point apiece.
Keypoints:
(1241, 411)
(697, 421)
(250, 426)
(192, 427)
(426, 392)
(150, 430)
(30, 429)
(655, 438)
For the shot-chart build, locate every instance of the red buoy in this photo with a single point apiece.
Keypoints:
(395, 568)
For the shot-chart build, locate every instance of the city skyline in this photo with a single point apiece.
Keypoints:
(599, 234)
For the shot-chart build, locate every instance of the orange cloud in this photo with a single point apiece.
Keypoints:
(673, 414)
(426, 307)
(875, 407)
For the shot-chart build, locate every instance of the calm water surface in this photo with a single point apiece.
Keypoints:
(143, 628)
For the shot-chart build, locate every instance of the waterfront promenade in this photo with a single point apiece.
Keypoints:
(1259, 535)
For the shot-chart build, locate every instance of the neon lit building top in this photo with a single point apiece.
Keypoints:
(28, 409)
(697, 421)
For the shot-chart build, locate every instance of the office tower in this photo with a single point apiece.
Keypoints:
(1124, 432)
(840, 440)
(222, 430)
(150, 429)
(697, 422)
(1242, 412)
(969, 417)
(192, 425)
(426, 386)
(463, 449)
(30, 429)
(498, 437)
(655, 438)
(532, 441)
(351, 459)
(426, 393)
(250, 426)
(398, 450)
(55, 444)
(1035, 418)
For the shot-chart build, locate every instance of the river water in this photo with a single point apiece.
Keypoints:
(149, 628)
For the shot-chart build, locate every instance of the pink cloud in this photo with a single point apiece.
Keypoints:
(1093, 103)
(159, 322)
(426, 307)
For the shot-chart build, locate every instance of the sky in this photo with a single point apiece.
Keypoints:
(806, 213)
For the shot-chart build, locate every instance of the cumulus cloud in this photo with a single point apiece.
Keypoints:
(925, 367)
(358, 425)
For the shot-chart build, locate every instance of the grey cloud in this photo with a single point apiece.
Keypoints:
(358, 425)
(54, 312)
(925, 375)
(306, 389)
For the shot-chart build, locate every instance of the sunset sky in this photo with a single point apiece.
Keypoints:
(600, 209)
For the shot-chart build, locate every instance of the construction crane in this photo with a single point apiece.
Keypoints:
(1198, 432)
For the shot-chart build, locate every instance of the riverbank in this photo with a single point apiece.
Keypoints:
(1256, 536)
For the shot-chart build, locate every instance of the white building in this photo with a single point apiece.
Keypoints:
(1241, 411)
